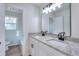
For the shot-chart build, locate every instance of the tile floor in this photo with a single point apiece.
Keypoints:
(14, 51)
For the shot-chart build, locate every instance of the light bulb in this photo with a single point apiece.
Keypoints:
(43, 11)
(46, 12)
(59, 6)
(53, 7)
(48, 9)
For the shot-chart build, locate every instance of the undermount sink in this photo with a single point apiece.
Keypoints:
(46, 38)
(60, 44)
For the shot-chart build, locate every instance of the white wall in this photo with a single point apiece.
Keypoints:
(75, 20)
(31, 22)
(2, 30)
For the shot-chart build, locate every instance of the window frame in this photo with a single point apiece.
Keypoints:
(15, 24)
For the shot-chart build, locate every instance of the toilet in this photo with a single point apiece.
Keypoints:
(7, 44)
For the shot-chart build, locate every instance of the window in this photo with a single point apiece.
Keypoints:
(10, 23)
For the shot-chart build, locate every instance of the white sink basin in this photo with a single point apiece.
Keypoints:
(46, 37)
(50, 38)
(60, 45)
(38, 37)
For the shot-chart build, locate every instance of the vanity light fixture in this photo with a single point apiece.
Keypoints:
(50, 7)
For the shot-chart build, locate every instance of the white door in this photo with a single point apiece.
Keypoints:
(2, 30)
(13, 27)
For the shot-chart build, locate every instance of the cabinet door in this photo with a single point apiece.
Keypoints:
(34, 47)
(46, 50)
(30, 47)
(54, 52)
(42, 49)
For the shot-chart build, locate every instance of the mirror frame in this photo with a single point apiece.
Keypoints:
(70, 20)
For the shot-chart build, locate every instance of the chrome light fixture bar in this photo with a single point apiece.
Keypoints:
(50, 7)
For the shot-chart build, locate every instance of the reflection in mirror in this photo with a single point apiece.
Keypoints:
(57, 20)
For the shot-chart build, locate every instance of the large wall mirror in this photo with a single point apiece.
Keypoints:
(58, 20)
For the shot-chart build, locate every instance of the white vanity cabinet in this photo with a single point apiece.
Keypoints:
(42, 49)
(48, 51)
(38, 48)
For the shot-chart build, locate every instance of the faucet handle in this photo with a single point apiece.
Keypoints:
(61, 36)
(46, 31)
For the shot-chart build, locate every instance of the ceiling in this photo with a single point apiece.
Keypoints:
(9, 8)
(41, 5)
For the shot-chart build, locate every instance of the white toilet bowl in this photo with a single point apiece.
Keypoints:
(7, 44)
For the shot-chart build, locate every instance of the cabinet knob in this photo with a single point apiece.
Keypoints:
(32, 46)
(0, 43)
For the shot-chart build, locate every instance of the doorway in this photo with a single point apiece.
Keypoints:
(13, 31)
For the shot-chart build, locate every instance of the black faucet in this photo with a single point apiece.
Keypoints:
(44, 33)
(61, 36)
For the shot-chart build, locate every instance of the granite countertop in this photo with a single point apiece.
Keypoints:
(69, 47)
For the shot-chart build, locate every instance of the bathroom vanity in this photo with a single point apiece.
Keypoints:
(49, 45)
